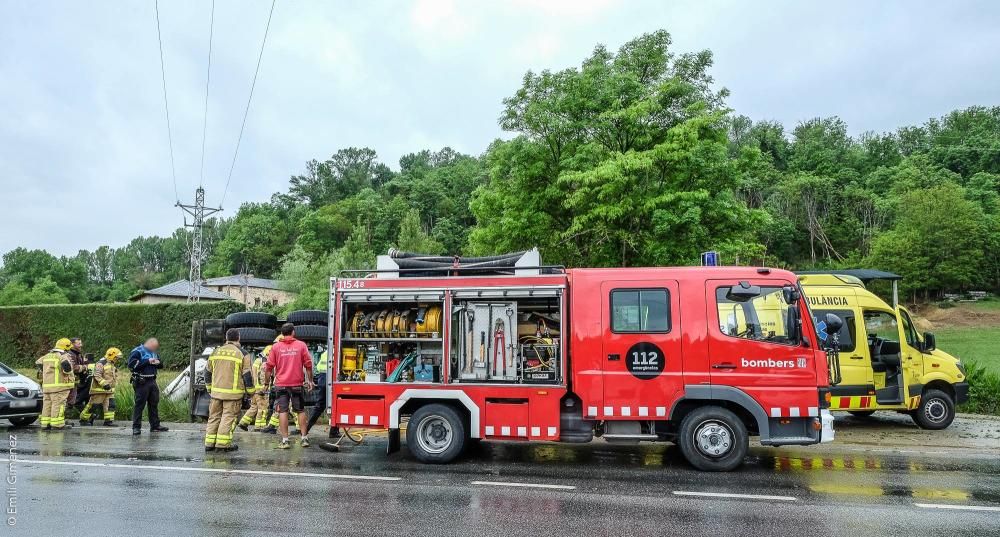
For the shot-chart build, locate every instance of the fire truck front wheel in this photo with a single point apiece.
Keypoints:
(436, 434)
(713, 439)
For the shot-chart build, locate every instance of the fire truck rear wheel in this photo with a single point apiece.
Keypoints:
(713, 439)
(436, 434)
(936, 410)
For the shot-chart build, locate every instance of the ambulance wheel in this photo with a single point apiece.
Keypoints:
(713, 439)
(936, 410)
(861, 413)
(436, 434)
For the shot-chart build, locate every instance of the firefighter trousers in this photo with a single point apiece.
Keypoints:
(222, 416)
(102, 403)
(257, 413)
(54, 409)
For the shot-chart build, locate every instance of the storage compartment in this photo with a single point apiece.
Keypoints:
(390, 339)
(513, 338)
(506, 418)
(365, 410)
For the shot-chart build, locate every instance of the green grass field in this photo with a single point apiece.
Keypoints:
(977, 345)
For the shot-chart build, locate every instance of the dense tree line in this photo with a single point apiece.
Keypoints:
(632, 158)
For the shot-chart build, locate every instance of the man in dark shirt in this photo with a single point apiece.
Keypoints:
(144, 364)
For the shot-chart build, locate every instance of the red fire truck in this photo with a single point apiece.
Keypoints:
(503, 348)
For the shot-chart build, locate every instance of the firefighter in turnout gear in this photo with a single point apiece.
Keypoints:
(257, 413)
(102, 389)
(57, 381)
(228, 378)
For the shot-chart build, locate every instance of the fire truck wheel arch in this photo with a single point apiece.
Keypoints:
(699, 394)
(432, 396)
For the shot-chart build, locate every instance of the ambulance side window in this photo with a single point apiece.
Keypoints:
(911, 334)
(640, 310)
(848, 332)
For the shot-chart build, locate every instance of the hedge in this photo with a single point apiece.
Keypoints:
(27, 332)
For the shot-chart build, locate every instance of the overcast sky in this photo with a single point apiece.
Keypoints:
(84, 159)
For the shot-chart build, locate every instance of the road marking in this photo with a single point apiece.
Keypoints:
(523, 485)
(739, 496)
(214, 470)
(957, 507)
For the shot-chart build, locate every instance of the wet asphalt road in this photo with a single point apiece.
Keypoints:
(166, 485)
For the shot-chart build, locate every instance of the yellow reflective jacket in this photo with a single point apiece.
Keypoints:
(54, 379)
(227, 365)
(104, 372)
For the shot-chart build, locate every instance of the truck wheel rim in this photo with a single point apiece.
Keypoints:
(713, 439)
(935, 410)
(434, 434)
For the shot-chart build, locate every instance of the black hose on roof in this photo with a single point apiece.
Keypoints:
(399, 254)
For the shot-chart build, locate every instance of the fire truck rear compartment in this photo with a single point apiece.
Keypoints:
(509, 339)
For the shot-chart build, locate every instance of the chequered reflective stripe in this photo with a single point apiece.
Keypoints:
(864, 401)
(520, 431)
(794, 412)
(358, 419)
(627, 412)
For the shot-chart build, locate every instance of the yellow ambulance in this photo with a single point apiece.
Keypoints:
(885, 364)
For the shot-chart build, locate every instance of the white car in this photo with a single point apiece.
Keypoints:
(20, 398)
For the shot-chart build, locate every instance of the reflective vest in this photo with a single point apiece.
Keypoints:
(103, 372)
(258, 373)
(321, 364)
(227, 365)
(54, 379)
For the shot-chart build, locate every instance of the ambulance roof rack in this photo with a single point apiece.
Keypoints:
(866, 276)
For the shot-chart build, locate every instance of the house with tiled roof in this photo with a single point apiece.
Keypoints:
(251, 291)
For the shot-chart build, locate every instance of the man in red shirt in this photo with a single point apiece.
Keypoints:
(290, 363)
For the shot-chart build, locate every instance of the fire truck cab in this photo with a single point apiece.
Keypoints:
(687, 355)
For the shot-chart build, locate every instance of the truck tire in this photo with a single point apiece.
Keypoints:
(713, 439)
(303, 317)
(257, 336)
(936, 410)
(861, 413)
(246, 319)
(311, 333)
(23, 421)
(436, 434)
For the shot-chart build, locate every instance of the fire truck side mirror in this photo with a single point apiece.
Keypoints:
(833, 324)
(743, 292)
(790, 294)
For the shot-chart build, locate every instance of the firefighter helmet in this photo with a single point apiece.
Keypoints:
(64, 344)
(113, 354)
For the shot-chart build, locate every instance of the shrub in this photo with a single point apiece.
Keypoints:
(27, 332)
(984, 390)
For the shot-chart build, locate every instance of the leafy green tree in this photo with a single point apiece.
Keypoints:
(258, 237)
(937, 242)
(620, 162)
(412, 237)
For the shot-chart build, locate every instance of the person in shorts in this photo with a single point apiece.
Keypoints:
(290, 364)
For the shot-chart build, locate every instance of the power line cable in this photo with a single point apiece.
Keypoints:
(208, 80)
(166, 105)
(253, 84)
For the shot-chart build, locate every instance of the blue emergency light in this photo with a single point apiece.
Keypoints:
(710, 259)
